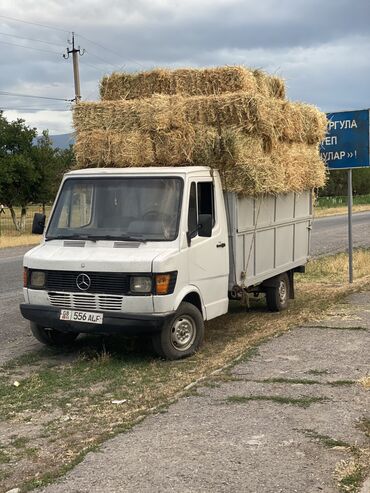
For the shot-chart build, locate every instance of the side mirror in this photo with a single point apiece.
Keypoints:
(205, 225)
(38, 224)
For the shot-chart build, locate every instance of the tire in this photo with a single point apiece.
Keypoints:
(277, 298)
(182, 335)
(52, 337)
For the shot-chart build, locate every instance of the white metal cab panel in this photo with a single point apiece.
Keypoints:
(208, 258)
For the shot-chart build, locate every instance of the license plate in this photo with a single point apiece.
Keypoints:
(77, 316)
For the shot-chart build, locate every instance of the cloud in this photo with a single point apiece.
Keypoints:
(44, 119)
(320, 48)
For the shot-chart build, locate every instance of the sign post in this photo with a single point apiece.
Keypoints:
(347, 146)
(350, 240)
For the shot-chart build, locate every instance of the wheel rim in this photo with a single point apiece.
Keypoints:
(283, 292)
(183, 333)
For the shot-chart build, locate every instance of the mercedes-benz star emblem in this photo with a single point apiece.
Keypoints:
(83, 282)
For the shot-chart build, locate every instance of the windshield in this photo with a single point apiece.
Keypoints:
(117, 208)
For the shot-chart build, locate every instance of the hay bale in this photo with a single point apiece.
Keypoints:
(272, 119)
(269, 85)
(102, 148)
(155, 113)
(190, 82)
(245, 166)
(288, 167)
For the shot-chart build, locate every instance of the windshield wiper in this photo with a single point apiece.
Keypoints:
(69, 237)
(121, 238)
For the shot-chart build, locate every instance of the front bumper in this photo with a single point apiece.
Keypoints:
(113, 322)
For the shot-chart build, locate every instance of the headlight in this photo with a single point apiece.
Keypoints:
(141, 284)
(37, 279)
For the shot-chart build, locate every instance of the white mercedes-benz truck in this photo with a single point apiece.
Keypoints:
(158, 251)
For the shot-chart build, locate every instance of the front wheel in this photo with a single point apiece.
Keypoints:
(52, 337)
(277, 297)
(182, 335)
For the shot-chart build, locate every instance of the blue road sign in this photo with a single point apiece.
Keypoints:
(346, 144)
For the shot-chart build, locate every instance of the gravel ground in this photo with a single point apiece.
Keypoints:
(246, 434)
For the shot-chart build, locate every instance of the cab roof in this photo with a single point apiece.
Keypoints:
(167, 170)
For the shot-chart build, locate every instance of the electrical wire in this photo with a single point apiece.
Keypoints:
(83, 64)
(109, 49)
(34, 24)
(30, 48)
(32, 39)
(5, 108)
(7, 93)
(78, 34)
(101, 59)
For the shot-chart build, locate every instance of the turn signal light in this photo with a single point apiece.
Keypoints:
(162, 283)
(25, 277)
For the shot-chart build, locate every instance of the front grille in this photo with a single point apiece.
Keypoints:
(101, 282)
(83, 301)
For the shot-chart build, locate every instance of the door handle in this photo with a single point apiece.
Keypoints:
(221, 245)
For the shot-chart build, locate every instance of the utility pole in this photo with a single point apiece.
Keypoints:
(76, 68)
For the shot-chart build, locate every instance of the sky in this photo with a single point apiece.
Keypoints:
(320, 47)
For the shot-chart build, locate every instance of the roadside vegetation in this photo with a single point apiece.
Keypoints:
(55, 406)
(334, 204)
(30, 172)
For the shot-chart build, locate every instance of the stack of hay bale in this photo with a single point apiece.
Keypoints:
(233, 119)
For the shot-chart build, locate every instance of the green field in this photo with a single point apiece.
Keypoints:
(340, 201)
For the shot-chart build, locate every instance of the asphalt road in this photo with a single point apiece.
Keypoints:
(328, 235)
(15, 338)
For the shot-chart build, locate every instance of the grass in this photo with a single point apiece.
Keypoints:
(327, 441)
(66, 398)
(292, 381)
(317, 372)
(365, 382)
(350, 475)
(339, 211)
(304, 402)
(334, 268)
(329, 206)
(10, 237)
(19, 240)
(338, 201)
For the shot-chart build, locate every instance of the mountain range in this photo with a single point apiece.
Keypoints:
(63, 141)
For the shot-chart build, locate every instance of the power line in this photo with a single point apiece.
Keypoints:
(109, 49)
(5, 108)
(34, 24)
(101, 59)
(99, 69)
(31, 39)
(7, 93)
(30, 47)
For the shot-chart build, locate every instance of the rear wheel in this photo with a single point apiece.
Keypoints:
(277, 297)
(52, 337)
(182, 335)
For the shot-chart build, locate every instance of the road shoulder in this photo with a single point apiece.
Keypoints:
(291, 417)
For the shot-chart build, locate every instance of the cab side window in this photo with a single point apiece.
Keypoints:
(205, 199)
(201, 201)
(192, 215)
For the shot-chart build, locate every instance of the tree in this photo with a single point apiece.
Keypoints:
(17, 170)
(50, 165)
(30, 168)
(337, 183)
